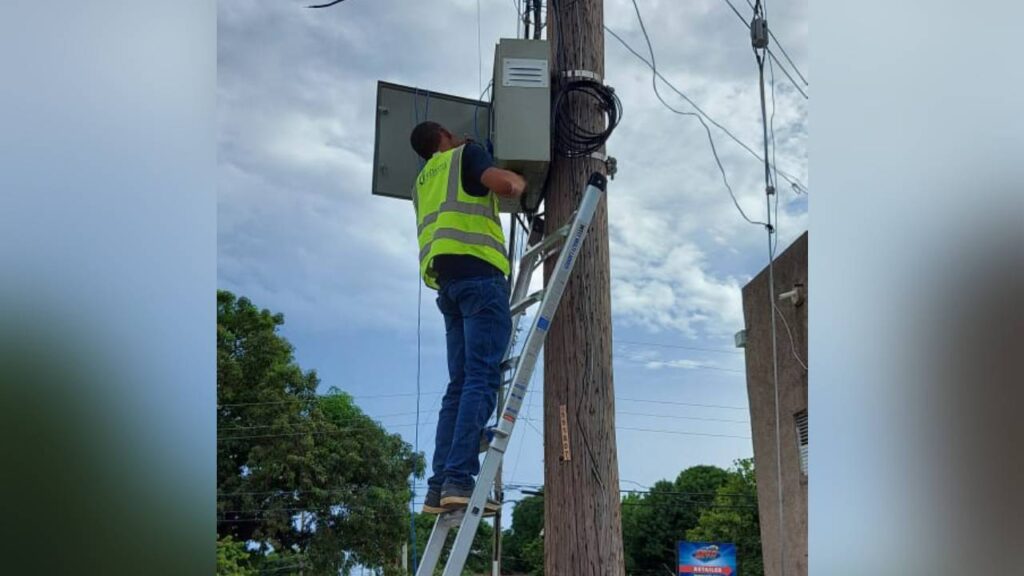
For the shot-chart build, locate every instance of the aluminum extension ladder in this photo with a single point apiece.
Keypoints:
(568, 239)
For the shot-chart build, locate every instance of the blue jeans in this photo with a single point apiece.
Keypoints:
(477, 327)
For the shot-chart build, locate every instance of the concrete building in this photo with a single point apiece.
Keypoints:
(791, 301)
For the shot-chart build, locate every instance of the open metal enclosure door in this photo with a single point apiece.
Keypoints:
(400, 108)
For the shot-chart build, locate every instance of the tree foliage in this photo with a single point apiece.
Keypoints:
(232, 558)
(654, 522)
(735, 519)
(310, 478)
(479, 561)
(523, 544)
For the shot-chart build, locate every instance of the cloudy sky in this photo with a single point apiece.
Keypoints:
(300, 233)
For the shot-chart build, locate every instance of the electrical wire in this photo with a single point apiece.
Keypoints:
(368, 490)
(572, 140)
(783, 50)
(479, 52)
(516, 5)
(771, 54)
(673, 403)
(792, 341)
(389, 396)
(349, 430)
(793, 181)
(714, 150)
(299, 427)
(774, 172)
(327, 5)
(760, 57)
(416, 449)
(679, 346)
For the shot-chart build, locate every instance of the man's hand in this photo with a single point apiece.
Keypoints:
(503, 182)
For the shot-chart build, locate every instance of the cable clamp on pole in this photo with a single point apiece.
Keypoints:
(611, 165)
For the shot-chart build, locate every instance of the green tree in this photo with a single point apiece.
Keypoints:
(311, 480)
(479, 561)
(653, 523)
(632, 516)
(734, 518)
(522, 544)
(232, 558)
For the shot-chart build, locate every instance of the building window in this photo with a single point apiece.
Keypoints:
(801, 438)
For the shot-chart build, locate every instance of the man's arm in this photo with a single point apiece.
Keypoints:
(503, 182)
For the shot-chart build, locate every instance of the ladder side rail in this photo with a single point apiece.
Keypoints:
(524, 371)
(435, 545)
(549, 304)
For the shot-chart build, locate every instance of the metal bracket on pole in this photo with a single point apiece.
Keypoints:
(582, 75)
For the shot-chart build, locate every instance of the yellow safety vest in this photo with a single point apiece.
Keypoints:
(450, 221)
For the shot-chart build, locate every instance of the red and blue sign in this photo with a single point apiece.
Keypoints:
(707, 558)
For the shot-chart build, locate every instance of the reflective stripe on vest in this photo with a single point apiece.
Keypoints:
(461, 226)
(451, 202)
(465, 238)
(460, 207)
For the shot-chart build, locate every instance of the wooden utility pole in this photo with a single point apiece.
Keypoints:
(582, 514)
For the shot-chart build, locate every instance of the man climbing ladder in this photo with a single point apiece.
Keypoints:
(462, 256)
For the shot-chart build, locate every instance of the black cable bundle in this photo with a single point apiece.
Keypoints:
(572, 140)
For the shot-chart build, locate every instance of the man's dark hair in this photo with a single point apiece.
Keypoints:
(425, 138)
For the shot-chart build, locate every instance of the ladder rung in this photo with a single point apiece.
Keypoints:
(549, 242)
(525, 303)
(509, 363)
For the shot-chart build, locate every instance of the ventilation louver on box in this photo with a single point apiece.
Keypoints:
(524, 73)
(801, 434)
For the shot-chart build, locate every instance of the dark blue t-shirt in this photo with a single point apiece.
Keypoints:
(475, 160)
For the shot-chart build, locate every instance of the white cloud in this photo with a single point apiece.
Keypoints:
(682, 364)
(299, 226)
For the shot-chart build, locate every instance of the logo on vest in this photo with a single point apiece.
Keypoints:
(432, 172)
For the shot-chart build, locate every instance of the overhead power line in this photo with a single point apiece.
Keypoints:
(617, 398)
(327, 5)
(783, 50)
(711, 140)
(385, 428)
(679, 346)
(786, 72)
(517, 486)
(793, 180)
(771, 54)
(658, 431)
(411, 394)
(333, 424)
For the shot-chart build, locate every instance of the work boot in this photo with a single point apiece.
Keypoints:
(432, 504)
(453, 498)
